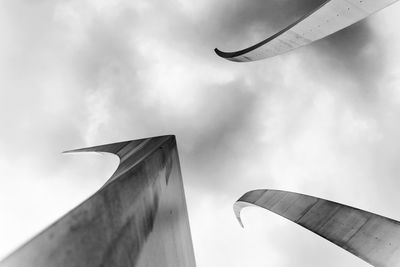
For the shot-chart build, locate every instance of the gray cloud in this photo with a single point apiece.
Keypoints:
(80, 73)
(354, 54)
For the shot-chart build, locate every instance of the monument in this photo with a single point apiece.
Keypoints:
(138, 218)
(371, 237)
(329, 17)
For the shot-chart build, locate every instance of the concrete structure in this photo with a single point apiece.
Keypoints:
(138, 218)
(371, 237)
(331, 16)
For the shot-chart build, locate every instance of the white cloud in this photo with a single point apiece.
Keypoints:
(320, 120)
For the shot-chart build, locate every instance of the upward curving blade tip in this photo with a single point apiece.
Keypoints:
(232, 56)
(220, 53)
(237, 208)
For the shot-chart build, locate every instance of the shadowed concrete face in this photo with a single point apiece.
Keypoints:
(371, 237)
(138, 218)
(327, 18)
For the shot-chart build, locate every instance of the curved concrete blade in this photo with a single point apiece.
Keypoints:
(138, 218)
(330, 17)
(371, 237)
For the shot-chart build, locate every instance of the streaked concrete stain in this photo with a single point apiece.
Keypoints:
(138, 218)
(371, 237)
(330, 17)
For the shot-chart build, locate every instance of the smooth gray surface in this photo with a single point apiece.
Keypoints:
(330, 17)
(138, 218)
(371, 237)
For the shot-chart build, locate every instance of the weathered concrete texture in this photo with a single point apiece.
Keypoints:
(138, 218)
(371, 237)
(329, 17)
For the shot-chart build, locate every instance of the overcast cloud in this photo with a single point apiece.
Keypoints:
(320, 120)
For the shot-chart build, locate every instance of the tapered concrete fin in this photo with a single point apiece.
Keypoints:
(371, 237)
(108, 148)
(327, 18)
(116, 148)
(239, 205)
(138, 218)
(237, 208)
(134, 150)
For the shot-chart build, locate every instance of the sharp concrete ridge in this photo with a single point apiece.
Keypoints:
(138, 218)
(330, 17)
(371, 237)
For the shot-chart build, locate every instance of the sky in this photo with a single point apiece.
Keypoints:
(321, 120)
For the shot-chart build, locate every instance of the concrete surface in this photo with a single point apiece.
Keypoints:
(371, 237)
(138, 218)
(328, 18)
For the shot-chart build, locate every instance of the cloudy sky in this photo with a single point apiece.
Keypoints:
(321, 120)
